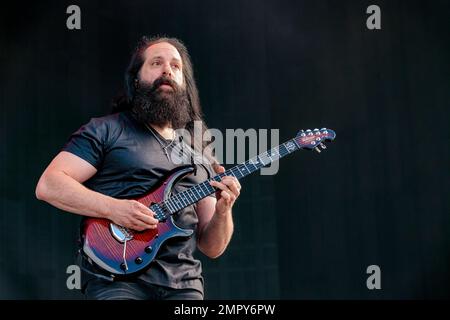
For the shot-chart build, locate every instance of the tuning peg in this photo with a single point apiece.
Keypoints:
(309, 132)
(317, 149)
(323, 146)
(323, 129)
(316, 132)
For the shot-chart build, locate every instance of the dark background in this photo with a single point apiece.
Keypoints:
(378, 195)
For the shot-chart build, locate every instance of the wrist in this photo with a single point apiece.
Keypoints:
(222, 215)
(106, 207)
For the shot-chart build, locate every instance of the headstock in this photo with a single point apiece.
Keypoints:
(312, 139)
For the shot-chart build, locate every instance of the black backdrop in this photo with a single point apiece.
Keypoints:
(378, 195)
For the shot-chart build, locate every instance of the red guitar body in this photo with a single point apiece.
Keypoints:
(121, 251)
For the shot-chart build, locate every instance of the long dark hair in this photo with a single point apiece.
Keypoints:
(124, 100)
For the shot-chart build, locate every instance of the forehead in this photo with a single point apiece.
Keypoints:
(162, 49)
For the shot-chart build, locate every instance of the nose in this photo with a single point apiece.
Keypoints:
(167, 70)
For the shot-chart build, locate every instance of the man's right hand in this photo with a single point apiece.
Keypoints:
(132, 214)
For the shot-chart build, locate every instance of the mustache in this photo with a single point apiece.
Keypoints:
(164, 80)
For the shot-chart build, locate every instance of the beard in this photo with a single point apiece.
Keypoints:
(153, 104)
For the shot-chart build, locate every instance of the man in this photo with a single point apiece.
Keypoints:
(120, 156)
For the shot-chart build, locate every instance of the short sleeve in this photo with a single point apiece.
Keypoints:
(89, 141)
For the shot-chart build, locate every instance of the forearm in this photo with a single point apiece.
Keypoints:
(65, 193)
(216, 235)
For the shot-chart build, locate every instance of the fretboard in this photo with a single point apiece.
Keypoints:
(194, 194)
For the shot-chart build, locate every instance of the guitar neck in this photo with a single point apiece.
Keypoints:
(204, 189)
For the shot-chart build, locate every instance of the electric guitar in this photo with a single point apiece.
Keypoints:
(121, 251)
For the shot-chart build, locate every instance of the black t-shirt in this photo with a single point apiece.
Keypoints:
(129, 161)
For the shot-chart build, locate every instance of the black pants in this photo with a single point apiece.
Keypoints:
(98, 289)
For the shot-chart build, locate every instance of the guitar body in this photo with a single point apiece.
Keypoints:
(123, 252)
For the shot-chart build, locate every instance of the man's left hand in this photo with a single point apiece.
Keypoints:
(227, 193)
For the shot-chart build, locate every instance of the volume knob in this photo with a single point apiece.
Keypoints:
(148, 249)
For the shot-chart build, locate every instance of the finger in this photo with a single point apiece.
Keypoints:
(226, 192)
(236, 181)
(218, 168)
(146, 209)
(238, 184)
(226, 196)
(148, 213)
(219, 188)
(233, 179)
(232, 185)
(219, 185)
(143, 226)
(148, 220)
(138, 226)
(145, 215)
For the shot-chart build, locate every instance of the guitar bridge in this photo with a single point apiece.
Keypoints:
(120, 233)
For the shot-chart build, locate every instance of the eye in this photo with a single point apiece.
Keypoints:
(156, 63)
(176, 66)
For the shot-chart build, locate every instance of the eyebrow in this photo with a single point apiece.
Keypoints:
(161, 57)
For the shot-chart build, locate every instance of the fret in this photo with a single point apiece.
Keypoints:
(244, 169)
(261, 160)
(192, 195)
(201, 191)
(204, 189)
(251, 162)
(176, 203)
(234, 173)
(198, 194)
(210, 188)
(285, 150)
(188, 196)
(169, 206)
(278, 155)
(184, 199)
(237, 167)
(180, 201)
(195, 195)
(231, 173)
(173, 205)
